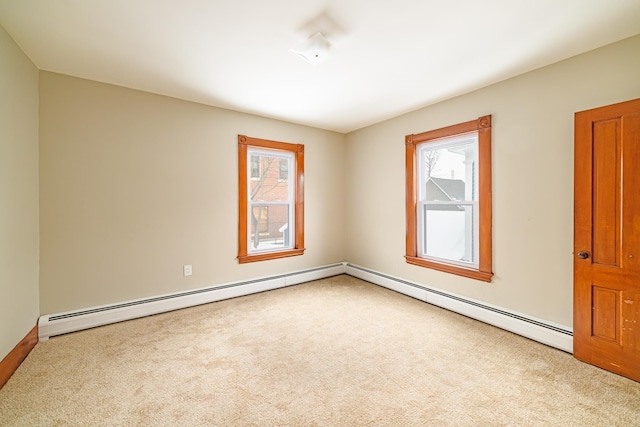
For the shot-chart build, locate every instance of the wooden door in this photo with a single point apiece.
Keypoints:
(607, 238)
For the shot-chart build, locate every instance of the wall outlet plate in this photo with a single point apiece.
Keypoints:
(187, 270)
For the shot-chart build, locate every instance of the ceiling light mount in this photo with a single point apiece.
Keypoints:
(314, 50)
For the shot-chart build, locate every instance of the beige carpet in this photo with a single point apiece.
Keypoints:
(336, 352)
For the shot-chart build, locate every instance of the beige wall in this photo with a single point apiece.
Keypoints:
(134, 185)
(18, 194)
(532, 180)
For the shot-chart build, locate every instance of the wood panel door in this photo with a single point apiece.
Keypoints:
(607, 238)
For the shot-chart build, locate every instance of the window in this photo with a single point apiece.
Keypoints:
(271, 199)
(448, 200)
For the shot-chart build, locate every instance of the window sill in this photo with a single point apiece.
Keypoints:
(471, 273)
(243, 259)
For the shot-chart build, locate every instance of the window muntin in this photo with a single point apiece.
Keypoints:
(271, 199)
(448, 200)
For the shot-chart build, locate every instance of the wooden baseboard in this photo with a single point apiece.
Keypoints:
(16, 356)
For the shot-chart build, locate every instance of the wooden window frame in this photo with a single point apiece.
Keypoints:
(298, 234)
(483, 127)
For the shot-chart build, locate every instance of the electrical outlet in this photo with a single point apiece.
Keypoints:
(187, 270)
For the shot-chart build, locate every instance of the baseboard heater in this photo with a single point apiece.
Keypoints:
(560, 337)
(538, 330)
(72, 321)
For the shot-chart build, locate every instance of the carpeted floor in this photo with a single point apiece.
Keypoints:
(335, 352)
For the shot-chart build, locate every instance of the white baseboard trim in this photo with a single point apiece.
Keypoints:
(72, 321)
(560, 337)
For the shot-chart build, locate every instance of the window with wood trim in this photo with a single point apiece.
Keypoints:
(448, 199)
(271, 199)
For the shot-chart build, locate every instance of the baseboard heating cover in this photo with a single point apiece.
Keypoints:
(560, 337)
(72, 321)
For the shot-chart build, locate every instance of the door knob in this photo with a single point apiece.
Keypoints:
(583, 254)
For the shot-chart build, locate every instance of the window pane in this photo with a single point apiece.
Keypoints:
(448, 232)
(255, 166)
(448, 170)
(284, 169)
(269, 227)
(270, 185)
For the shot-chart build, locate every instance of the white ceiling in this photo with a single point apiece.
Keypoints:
(387, 57)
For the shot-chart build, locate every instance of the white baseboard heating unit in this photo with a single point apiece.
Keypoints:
(558, 336)
(72, 321)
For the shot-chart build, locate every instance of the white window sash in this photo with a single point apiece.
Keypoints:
(290, 196)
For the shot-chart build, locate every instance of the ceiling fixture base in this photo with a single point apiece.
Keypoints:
(315, 50)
